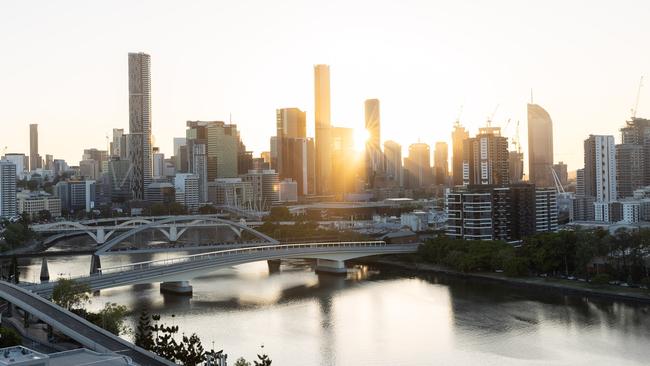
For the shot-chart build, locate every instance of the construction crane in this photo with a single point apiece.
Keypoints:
(638, 94)
(515, 140)
(491, 117)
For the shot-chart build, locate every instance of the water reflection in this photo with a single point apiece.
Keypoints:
(383, 316)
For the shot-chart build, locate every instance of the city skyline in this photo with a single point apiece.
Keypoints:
(422, 107)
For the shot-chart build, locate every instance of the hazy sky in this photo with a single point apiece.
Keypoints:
(63, 65)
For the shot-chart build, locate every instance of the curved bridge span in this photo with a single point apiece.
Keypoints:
(188, 267)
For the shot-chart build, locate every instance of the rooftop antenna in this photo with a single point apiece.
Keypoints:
(531, 95)
(460, 112)
(638, 93)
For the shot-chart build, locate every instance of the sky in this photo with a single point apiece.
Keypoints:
(63, 65)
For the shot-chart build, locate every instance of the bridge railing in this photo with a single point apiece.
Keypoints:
(239, 251)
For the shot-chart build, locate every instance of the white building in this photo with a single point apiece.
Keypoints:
(158, 164)
(7, 189)
(187, 190)
(32, 203)
(19, 161)
(600, 173)
(416, 220)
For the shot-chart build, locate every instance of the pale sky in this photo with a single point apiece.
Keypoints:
(63, 65)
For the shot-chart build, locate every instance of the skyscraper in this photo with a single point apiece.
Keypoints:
(373, 163)
(323, 130)
(140, 122)
(417, 166)
(116, 144)
(600, 173)
(34, 158)
(516, 166)
(486, 158)
(393, 162)
(458, 136)
(200, 169)
(7, 189)
(440, 162)
(540, 146)
(292, 147)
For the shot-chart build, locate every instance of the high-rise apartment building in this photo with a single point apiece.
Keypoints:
(49, 161)
(441, 162)
(17, 159)
(323, 130)
(157, 163)
(562, 172)
(540, 146)
(600, 173)
(140, 122)
(486, 158)
(34, 158)
(7, 189)
(458, 137)
(417, 166)
(373, 156)
(393, 162)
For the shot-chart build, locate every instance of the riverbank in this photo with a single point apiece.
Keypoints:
(548, 284)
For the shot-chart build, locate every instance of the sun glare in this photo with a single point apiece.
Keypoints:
(361, 136)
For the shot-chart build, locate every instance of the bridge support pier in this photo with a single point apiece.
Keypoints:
(95, 264)
(329, 266)
(45, 271)
(176, 287)
(274, 265)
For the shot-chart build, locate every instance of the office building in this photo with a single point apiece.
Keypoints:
(265, 185)
(458, 137)
(562, 172)
(373, 156)
(116, 146)
(89, 169)
(178, 162)
(288, 191)
(323, 130)
(393, 162)
(440, 163)
(232, 192)
(222, 147)
(76, 195)
(200, 169)
(417, 167)
(49, 162)
(540, 146)
(486, 158)
(33, 203)
(294, 151)
(157, 163)
(342, 161)
(600, 173)
(34, 158)
(140, 154)
(187, 190)
(630, 164)
(7, 189)
(163, 193)
(119, 172)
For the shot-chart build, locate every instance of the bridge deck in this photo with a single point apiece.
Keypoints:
(75, 327)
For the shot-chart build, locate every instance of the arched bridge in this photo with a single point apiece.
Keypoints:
(109, 234)
(329, 255)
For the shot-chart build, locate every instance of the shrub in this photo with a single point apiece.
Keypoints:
(600, 279)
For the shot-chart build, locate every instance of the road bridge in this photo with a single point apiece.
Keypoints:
(75, 327)
(330, 258)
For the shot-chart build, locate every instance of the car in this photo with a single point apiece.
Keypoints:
(571, 278)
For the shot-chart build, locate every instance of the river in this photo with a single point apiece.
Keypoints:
(380, 315)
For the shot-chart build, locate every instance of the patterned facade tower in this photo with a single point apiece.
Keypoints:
(140, 122)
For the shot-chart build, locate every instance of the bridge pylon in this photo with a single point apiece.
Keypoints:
(329, 266)
(95, 264)
(45, 271)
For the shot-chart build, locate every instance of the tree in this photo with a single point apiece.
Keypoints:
(264, 360)
(9, 337)
(44, 215)
(242, 362)
(69, 294)
(143, 332)
(111, 318)
(190, 351)
(208, 210)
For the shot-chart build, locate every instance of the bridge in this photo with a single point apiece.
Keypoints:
(109, 233)
(178, 271)
(75, 327)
